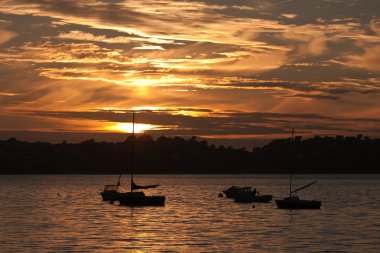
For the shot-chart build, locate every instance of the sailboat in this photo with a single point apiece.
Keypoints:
(132, 198)
(294, 202)
(111, 191)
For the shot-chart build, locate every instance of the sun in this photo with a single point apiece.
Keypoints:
(128, 127)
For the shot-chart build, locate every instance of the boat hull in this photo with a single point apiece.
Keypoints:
(299, 204)
(133, 198)
(244, 197)
(142, 201)
(262, 198)
(110, 196)
(228, 194)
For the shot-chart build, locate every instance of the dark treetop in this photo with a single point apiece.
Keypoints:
(178, 155)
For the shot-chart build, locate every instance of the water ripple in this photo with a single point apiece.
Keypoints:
(66, 214)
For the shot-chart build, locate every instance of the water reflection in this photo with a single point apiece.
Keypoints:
(65, 214)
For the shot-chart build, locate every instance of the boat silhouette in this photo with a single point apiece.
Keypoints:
(294, 202)
(132, 198)
(245, 194)
(233, 190)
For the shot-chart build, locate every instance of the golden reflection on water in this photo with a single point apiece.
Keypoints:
(65, 214)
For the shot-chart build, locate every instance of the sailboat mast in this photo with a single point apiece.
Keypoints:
(292, 151)
(133, 149)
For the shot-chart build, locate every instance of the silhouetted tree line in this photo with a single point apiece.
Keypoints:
(320, 155)
(163, 155)
(178, 155)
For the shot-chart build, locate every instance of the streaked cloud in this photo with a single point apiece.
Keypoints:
(63, 59)
(5, 34)
(369, 60)
(289, 15)
(220, 124)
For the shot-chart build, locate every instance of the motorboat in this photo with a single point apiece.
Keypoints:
(233, 190)
(245, 195)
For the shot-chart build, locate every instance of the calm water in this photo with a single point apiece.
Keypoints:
(66, 214)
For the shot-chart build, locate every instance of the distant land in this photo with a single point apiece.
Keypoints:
(76, 137)
(166, 155)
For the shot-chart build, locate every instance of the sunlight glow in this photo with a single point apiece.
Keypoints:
(166, 80)
(191, 113)
(147, 108)
(127, 127)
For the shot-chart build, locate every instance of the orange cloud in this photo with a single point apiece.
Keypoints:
(5, 35)
(369, 60)
(262, 56)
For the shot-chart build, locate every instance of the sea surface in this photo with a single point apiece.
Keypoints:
(65, 213)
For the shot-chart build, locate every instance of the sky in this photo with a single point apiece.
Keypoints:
(240, 72)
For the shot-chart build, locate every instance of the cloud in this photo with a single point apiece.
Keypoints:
(313, 96)
(270, 56)
(223, 123)
(375, 26)
(224, 60)
(5, 35)
(313, 39)
(64, 52)
(369, 60)
(289, 15)
(78, 35)
(85, 36)
(149, 47)
(252, 64)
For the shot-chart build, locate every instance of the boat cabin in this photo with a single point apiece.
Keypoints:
(110, 188)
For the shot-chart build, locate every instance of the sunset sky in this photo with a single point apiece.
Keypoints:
(237, 70)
